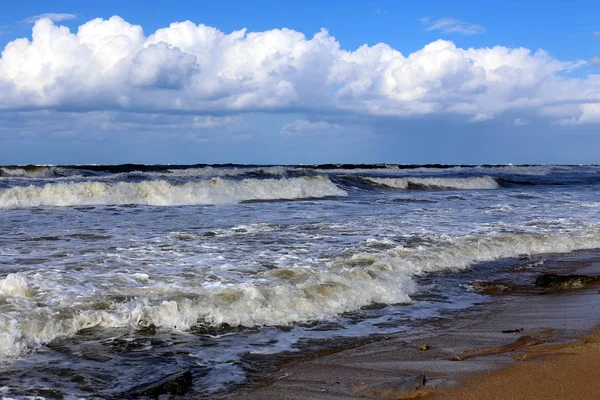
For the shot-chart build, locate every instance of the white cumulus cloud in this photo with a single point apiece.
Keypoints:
(198, 70)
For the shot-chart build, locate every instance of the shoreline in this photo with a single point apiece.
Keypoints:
(465, 355)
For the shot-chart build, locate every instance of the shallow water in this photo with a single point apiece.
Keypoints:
(107, 272)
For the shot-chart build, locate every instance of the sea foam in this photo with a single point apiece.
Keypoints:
(280, 296)
(163, 193)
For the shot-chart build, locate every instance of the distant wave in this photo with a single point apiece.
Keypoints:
(163, 193)
(482, 182)
(215, 172)
(30, 171)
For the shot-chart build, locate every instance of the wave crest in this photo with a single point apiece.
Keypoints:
(275, 297)
(163, 193)
(480, 182)
(30, 171)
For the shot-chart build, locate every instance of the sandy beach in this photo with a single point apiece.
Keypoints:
(524, 346)
(561, 372)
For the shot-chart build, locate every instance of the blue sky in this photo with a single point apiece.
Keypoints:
(451, 82)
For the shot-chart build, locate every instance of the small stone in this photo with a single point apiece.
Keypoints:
(424, 347)
(512, 330)
(176, 384)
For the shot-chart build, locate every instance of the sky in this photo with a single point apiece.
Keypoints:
(271, 82)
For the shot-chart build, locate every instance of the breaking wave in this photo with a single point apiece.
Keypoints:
(280, 296)
(30, 171)
(163, 193)
(481, 182)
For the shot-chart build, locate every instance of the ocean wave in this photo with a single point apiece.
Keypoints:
(481, 182)
(216, 172)
(163, 193)
(31, 171)
(280, 296)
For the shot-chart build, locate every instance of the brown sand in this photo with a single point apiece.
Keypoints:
(543, 361)
(521, 347)
(563, 372)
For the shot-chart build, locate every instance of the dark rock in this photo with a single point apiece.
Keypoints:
(554, 281)
(177, 383)
(45, 393)
(147, 330)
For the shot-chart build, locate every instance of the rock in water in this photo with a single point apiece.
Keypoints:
(177, 383)
(554, 281)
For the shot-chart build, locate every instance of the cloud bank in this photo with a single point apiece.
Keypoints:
(185, 68)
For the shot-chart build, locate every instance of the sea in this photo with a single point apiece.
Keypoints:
(113, 277)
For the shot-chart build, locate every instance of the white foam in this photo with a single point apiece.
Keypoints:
(15, 285)
(162, 193)
(480, 182)
(276, 297)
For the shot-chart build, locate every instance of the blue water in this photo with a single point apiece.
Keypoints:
(108, 271)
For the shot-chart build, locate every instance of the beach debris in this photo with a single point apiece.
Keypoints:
(177, 384)
(421, 380)
(424, 347)
(566, 282)
(512, 330)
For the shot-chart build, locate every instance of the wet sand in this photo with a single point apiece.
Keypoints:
(521, 346)
(563, 372)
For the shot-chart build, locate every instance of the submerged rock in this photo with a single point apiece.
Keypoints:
(566, 282)
(177, 383)
(149, 330)
(44, 393)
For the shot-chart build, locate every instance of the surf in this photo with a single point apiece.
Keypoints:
(163, 193)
